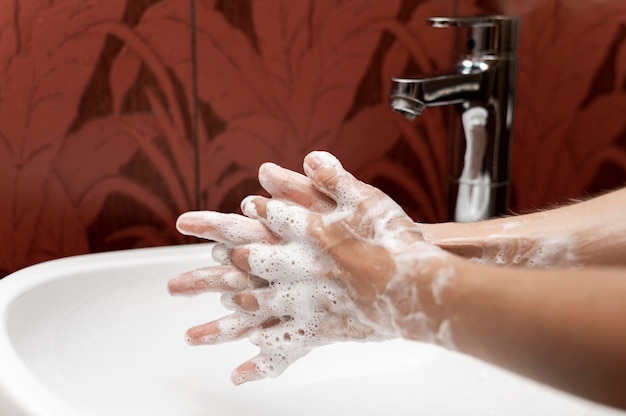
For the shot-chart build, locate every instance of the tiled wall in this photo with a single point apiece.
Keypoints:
(118, 115)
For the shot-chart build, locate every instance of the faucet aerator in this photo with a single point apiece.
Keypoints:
(410, 109)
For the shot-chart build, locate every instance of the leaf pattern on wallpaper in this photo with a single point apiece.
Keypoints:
(296, 93)
(154, 45)
(288, 97)
(376, 129)
(90, 161)
(278, 95)
(555, 113)
(285, 79)
(620, 60)
(37, 107)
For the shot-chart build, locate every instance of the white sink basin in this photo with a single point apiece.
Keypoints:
(100, 335)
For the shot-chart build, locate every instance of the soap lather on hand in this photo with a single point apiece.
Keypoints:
(328, 258)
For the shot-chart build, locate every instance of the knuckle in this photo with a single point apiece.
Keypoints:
(254, 207)
(327, 177)
(239, 257)
(247, 302)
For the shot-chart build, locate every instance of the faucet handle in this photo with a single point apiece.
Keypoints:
(461, 21)
(484, 34)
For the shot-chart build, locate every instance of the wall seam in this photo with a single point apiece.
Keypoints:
(195, 136)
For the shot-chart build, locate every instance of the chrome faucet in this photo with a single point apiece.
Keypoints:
(481, 88)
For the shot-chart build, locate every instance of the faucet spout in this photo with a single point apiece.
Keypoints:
(481, 89)
(409, 96)
(409, 107)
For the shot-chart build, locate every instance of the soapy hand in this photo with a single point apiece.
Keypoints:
(326, 259)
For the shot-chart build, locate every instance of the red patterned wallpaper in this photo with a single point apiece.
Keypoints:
(118, 115)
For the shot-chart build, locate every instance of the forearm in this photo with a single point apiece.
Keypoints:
(592, 232)
(566, 328)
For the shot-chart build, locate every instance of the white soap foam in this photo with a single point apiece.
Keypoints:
(310, 300)
(231, 278)
(510, 225)
(512, 250)
(268, 183)
(313, 309)
(443, 280)
(219, 253)
(444, 335)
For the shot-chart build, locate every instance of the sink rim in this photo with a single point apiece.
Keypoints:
(18, 384)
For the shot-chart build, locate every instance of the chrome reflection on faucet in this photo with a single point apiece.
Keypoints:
(481, 87)
(472, 200)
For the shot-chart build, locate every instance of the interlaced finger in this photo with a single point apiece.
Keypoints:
(214, 279)
(329, 177)
(275, 263)
(229, 229)
(228, 328)
(286, 184)
(281, 218)
(240, 301)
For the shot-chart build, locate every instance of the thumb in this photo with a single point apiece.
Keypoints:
(330, 178)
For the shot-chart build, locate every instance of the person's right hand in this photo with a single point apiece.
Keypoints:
(355, 268)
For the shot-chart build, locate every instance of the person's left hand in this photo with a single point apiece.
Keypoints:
(333, 271)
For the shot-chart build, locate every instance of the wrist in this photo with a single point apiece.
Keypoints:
(507, 241)
(416, 297)
(466, 240)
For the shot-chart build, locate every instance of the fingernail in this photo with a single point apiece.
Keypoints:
(200, 335)
(174, 285)
(183, 285)
(313, 161)
(219, 253)
(227, 299)
(246, 301)
(263, 177)
(248, 207)
(317, 159)
(267, 165)
(188, 221)
(240, 258)
(197, 223)
(244, 375)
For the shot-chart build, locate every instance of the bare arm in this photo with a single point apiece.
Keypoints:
(591, 232)
(368, 274)
(565, 328)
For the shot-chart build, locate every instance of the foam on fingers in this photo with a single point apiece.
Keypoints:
(311, 296)
(228, 328)
(331, 179)
(246, 372)
(209, 279)
(294, 187)
(229, 229)
(281, 218)
(317, 159)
